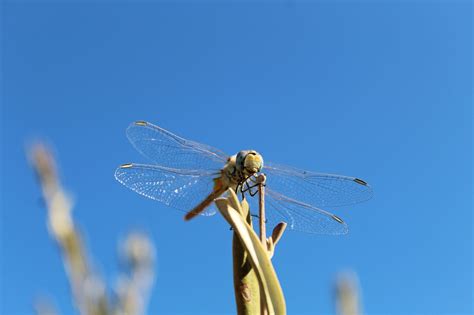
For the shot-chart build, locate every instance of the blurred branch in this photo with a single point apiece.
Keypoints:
(88, 290)
(133, 290)
(44, 307)
(347, 295)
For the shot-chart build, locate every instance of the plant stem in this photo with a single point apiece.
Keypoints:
(261, 204)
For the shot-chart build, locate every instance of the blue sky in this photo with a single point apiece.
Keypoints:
(381, 91)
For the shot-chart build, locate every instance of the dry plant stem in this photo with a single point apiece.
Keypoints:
(61, 227)
(246, 287)
(88, 290)
(261, 204)
(268, 285)
(263, 231)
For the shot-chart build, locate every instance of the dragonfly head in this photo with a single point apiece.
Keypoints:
(249, 162)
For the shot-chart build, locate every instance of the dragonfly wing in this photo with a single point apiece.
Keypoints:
(169, 150)
(300, 216)
(316, 189)
(180, 189)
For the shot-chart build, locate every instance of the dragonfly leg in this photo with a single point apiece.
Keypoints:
(246, 183)
(255, 183)
(254, 193)
(248, 187)
(246, 180)
(238, 189)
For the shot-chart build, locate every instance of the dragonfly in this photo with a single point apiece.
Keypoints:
(189, 176)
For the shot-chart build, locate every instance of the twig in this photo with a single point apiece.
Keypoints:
(347, 294)
(134, 288)
(88, 290)
(261, 203)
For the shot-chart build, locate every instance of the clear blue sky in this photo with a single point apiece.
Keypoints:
(378, 91)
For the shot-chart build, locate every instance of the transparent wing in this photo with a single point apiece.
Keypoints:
(180, 189)
(316, 189)
(300, 216)
(169, 150)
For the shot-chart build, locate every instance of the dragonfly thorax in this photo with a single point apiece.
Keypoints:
(240, 167)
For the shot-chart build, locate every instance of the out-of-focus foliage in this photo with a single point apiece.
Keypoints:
(347, 294)
(90, 294)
